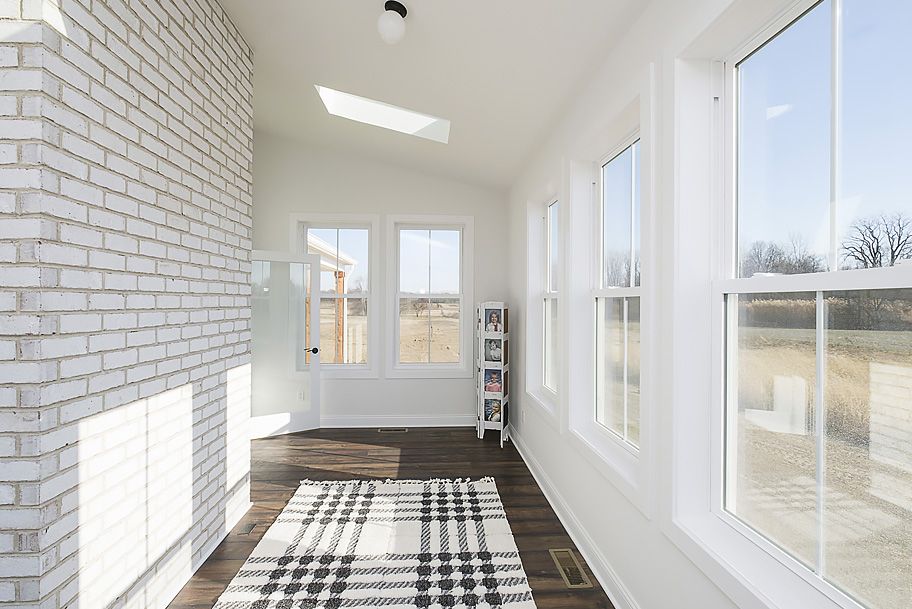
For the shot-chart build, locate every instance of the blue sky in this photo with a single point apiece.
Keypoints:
(785, 113)
(429, 261)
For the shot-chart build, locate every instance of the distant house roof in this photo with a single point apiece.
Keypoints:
(327, 252)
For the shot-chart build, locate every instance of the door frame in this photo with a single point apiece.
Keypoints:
(290, 422)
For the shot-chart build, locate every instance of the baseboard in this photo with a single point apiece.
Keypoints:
(279, 424)
(343, 421)
(615, 589)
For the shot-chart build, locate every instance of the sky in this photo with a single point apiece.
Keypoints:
(785, 125)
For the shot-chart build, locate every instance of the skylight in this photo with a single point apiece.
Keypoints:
(379, 114)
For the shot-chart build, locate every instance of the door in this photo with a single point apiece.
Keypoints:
(285, 341)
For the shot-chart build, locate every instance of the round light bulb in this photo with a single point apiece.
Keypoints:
(391, 27)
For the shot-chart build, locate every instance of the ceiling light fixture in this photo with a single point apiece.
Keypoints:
(391, 23)
(380, 114)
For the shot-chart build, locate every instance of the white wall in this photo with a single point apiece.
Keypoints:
(124, 281)
(292, 177)
(638, 563)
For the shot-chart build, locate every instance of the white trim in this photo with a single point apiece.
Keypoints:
(465, 224)
(281, 423)
(611, 583)
(298, 223)
(345, 421)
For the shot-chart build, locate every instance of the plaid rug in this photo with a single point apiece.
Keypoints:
(394, 544)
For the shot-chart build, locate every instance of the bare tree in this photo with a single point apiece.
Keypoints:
(878, 241)
(768, 257)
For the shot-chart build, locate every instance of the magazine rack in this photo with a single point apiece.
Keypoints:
(492, 367)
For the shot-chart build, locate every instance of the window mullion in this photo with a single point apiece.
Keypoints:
(835, 129)
(820, 424)
(626, 363)
(633, 191)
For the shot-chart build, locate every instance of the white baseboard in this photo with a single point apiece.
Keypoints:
(612, 585)
(342, 421)
(279, 424)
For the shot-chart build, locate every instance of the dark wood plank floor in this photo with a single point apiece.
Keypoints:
(345, 454)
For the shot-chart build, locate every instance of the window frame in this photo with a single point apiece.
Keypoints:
(549, 295)
(300, 223)
(537, 274)
(465, 225)
(731, 283)
(603, 292)
(750, 568)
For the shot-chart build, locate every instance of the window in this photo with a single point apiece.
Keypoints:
(617, 300)
(818, 307)
(431, 313)
(550, 343)
(344, 292)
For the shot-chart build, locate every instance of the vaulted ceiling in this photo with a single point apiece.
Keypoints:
(500, 70)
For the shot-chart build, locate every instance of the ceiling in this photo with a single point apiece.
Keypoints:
(499, 70)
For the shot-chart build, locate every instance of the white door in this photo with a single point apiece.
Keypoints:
(285, 341)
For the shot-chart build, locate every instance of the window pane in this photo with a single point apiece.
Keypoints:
(444, 314)
(353, 331)
(414, 330)
(635, 219)
(609, 378)
(784, 150)
(617, 193)
(330, 319)
(553, 246)
(875, 209)
(445, 253)
(414, 261)
(325, 243)
(551, 345)
(771, 458)
(633, 370)
(867, 506)
(353, 259)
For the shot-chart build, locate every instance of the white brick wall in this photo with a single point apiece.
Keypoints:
(125, 194)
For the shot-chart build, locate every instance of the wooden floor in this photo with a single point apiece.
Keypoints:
(345, 454)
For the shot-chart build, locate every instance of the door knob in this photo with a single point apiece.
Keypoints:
(315, 350)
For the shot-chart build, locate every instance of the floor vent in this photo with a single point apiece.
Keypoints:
(570, 568)
(247, 528)
(392, 430)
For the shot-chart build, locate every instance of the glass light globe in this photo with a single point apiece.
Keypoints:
(391, 27)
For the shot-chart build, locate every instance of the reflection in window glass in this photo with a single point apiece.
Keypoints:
(784, 143)
(553, 246)
(617, 379)
(551, 344)
(771, 450)
(847, 516)
(621, 219)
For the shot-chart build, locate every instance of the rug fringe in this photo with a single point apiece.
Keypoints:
(486, 479)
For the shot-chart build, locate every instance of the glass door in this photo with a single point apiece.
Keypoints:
(285, 341)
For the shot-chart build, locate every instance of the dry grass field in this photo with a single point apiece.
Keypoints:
(867, 501)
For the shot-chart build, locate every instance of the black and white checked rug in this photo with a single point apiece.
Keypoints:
(395, 544)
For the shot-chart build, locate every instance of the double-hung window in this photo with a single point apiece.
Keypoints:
(431, 294)
(818, 298)
(344, 292)
(550, 342)
(617, 297)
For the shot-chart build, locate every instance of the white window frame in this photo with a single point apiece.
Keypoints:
(464, 224)
(602, 291)
(299, 223)
(553, 296)
(751, 569)
(537, 276)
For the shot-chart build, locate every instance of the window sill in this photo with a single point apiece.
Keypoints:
(348, 371)
(546, 402)
(616, 460)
